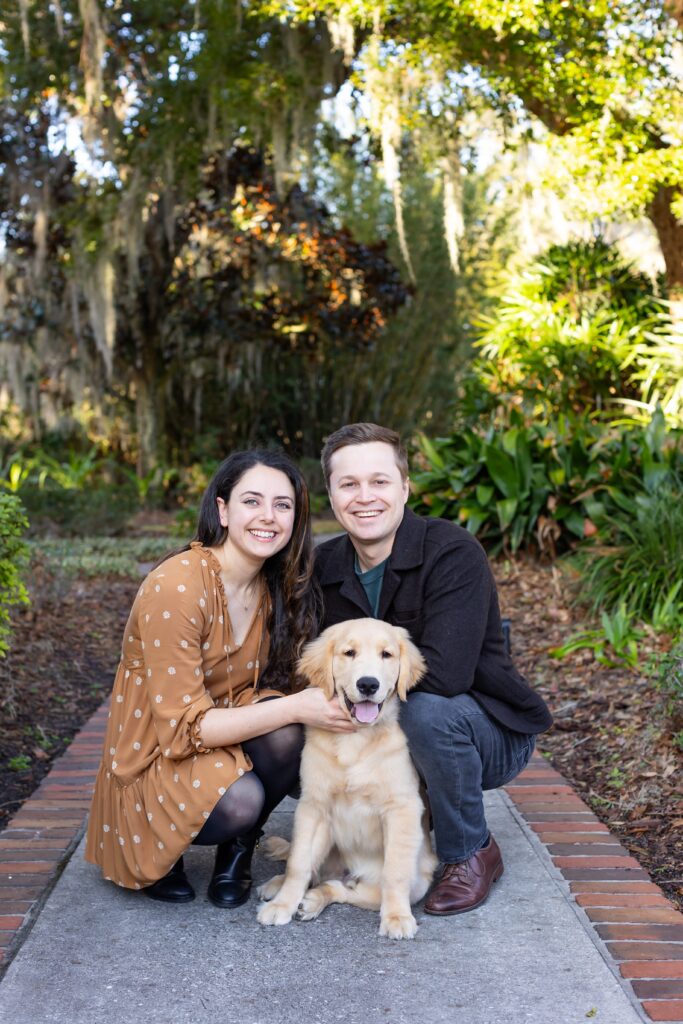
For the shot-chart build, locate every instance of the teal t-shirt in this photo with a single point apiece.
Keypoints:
(372, 583)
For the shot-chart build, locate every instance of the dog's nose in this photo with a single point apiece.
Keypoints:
(367, 685)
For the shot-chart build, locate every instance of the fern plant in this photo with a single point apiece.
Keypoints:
(571, 332)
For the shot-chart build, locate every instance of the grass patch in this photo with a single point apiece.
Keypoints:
(101, 556)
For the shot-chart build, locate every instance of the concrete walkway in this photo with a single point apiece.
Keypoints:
(574, 931)
(102, 955)
(98, 954)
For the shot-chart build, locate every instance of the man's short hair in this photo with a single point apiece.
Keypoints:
(362, 433)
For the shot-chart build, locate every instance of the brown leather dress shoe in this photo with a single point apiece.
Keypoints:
(466, 885)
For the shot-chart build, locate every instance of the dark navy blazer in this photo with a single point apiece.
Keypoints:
(438, 584)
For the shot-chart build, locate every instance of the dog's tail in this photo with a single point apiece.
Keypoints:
(275, 848)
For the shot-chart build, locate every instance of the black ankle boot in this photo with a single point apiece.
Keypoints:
(231, 880)
(174, 887)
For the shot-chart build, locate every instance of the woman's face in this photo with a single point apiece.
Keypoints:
(259, 513)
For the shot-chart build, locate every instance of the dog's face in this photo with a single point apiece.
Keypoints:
(363, 661)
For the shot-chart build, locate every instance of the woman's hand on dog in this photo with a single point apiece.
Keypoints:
(311, 707)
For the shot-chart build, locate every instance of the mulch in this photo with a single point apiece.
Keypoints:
(60, 667)
(611, 739)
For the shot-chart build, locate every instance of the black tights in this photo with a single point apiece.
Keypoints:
(250, 799)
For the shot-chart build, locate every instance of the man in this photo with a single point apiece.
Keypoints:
(472, 721)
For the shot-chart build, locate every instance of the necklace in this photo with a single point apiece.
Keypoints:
(262, 612)
(246, 598)
(230, 647)
(251, 591)
(248, 594)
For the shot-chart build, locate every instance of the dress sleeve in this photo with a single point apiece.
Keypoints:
(172, 623)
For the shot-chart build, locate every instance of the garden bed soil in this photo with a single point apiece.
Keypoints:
(611, 736)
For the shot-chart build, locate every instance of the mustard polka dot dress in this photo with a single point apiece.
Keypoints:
(157, 784)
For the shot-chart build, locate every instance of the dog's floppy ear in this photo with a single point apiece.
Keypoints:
(413, 665)
(315, 664)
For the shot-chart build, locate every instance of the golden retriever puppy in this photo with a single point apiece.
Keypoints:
(360, 830)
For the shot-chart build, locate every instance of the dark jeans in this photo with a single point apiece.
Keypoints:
(460, 751)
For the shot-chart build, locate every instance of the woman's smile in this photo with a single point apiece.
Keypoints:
(265, 535)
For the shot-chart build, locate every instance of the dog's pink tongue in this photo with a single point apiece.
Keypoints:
(366, 711)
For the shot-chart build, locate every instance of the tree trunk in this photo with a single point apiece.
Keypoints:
(149, 417)
(148, 377)
(670, 233)
(145, 314)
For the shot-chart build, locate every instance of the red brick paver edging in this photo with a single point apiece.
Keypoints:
(638, 931)
(37, 842)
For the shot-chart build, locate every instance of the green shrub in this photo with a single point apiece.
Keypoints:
(515, 487)
(590, 275)
(570, 332)
(635, 558)
(79, 512)
(496, 485)
(659, 369)
(185, 522)
(638, 562)
(73, 471)
(72, 494)
(544, 484)
(13, 552)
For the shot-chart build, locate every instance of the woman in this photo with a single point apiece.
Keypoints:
(196, 750)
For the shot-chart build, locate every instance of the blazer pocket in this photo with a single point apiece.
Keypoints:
(411, 620)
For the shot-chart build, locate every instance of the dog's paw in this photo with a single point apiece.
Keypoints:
(269, 890)
(275, 848)
(311, 906)
(274, 913)
(398, 926)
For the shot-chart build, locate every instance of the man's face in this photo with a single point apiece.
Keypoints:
(368, 493)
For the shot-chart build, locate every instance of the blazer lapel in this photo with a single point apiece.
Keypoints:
(339, 569)
(352, 590)
(390, 585)
(407, 553)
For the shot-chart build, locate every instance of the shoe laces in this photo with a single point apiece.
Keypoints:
(456, 871)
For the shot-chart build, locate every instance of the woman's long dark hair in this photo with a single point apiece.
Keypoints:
(294, 593)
